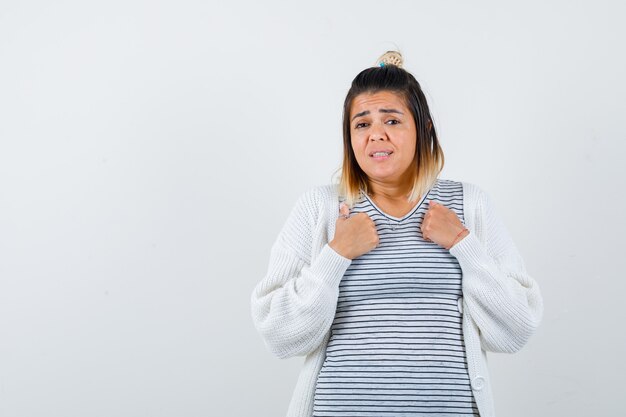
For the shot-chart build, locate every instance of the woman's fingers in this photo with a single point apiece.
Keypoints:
(439, 224)
(354, 235)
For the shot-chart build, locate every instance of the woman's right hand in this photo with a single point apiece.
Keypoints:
(354, 235)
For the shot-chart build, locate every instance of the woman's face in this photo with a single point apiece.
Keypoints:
(381, 122)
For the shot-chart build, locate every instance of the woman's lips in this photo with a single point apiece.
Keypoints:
(381, 157)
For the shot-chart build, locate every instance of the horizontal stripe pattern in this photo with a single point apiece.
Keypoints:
(396, 346)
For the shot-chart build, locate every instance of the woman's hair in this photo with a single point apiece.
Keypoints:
(428, 160)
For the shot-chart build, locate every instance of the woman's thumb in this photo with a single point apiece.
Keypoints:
(344, 210)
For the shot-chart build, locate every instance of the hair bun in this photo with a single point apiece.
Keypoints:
(390, 58)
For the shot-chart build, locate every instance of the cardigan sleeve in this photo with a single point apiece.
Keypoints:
(294, 305)
(500, 296)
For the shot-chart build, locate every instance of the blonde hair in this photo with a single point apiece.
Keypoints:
(429, 158)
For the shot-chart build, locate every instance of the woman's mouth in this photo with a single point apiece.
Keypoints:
(381, 155)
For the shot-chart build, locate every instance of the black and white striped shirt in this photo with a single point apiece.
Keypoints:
(396, 345)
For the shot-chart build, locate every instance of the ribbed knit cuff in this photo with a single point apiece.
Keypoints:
(470, 251)
(330, 266)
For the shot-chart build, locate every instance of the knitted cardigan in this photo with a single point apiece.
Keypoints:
(293, 306)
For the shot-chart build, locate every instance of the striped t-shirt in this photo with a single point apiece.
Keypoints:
(396, 344)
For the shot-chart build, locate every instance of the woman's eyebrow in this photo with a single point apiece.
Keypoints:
(363, 113)
(390, 111)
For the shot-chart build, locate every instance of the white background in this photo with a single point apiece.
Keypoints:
(151, 151)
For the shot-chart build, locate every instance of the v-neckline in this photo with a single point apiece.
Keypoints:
(407, 215)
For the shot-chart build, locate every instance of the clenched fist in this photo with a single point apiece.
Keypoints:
(354, 235)
(442, 226)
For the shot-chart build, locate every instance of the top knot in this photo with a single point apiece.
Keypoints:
(390, 58)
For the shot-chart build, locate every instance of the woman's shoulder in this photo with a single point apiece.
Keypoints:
(317, 200)
(472, 192)
(321, 194)
(478, 205)
(310, 208)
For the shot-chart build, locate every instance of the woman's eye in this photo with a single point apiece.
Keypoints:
(393, 122)
(358, 125)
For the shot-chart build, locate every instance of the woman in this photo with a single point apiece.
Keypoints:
(394, 283)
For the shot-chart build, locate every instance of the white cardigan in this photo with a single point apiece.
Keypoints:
(293, 306)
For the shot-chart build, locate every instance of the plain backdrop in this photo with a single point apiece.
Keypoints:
(150, 152)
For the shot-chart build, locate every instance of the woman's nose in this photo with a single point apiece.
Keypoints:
(377, 133)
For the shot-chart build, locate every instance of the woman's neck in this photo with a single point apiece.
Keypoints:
(390, 192)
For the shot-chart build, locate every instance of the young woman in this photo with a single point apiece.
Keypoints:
(394, 283)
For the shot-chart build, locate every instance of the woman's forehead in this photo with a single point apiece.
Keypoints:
(376, 100)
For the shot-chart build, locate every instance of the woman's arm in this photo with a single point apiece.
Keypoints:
(502, 299)
(294, 305)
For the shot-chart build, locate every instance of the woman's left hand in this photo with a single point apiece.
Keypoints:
(442, 226)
